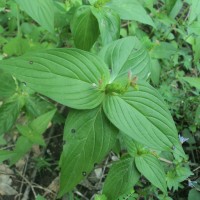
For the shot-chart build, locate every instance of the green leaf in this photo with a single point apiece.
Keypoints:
(85, 28)
(36, 105)
(130, 10)
(164, 50)
(124, 56)
(71, 77)
(16, 47)
(194, 10)
(151, 168)
(121, 178)
(22, 147)
(5, 155)
(155, 71)
(7, 85)
(40, 198)
(42, 11)
(194, 82)
(194, 195)
(100, 197)
(9, 112)
(143, 115)
(33, 131)
(109, 24)
(89, 137)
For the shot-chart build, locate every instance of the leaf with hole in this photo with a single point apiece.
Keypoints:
(71, 77)
(89, 137)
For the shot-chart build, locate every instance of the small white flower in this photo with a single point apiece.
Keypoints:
(182, 139)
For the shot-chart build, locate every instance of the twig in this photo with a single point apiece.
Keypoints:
(165, 160)
(27, 181)
(196, 169)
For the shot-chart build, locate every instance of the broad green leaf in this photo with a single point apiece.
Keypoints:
(151, 168)
(9, 112)
(7, 85)
(42, 11)
(5, 155)
(33, 131)
(194, 195)
(109, 24)
(142, 114)
(194, 10)
(124, 56)
(85, 28)
(121, 178)
(89, 137)
(71, 77)
(194, 82)
(23, 146)
(130, 10)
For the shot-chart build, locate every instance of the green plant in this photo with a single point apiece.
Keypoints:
(107, 90)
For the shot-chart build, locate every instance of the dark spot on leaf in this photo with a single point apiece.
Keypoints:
(31, 62)
(73, 130)
(84, 173)
(64, 142)
(24, 84)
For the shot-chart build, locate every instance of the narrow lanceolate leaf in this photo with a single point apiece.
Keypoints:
(121, 178)
(109, 24)
(124, 56)
(69, 76)
(9, 112)
(130, 10)
(89, 137)
(7, 85)
(85, 28)
(142, 114)
(151, 168)
(42, 11)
